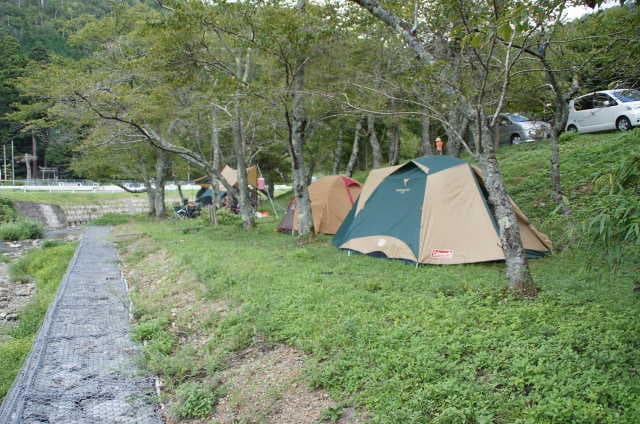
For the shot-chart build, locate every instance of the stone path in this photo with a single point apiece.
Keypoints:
(82, 367)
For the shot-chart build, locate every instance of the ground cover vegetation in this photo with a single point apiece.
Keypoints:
(430, 344)
(46, 266)
(13, 227)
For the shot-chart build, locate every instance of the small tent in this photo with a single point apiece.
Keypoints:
(231, 175)
(331, 199)
(431, 210)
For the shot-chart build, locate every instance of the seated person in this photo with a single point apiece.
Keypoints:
(204, 196)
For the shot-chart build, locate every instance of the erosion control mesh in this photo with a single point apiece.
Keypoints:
(82, 366)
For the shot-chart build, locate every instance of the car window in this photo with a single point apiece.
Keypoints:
(518, 118)
(627, 95)
(583, 103)
(603, 100)
(503, 120)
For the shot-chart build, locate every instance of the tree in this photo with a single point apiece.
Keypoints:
(480, 40)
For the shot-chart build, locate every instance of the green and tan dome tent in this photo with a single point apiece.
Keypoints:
(431, 210)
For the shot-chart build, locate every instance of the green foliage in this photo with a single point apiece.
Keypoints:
(7, 211)
(21, 229)
(196, 400)
(568, 136)
(615, 212)
(46, 266)
(332, 414)
(226, 217)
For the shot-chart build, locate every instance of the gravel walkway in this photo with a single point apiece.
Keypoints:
(82, 367)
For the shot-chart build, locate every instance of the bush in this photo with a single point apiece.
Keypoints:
(226, 217)
(196, 400)
(7, 211)
(21, 230)
(615, 213)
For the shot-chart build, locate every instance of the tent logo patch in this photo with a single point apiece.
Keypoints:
(442, 253)
(406, 188)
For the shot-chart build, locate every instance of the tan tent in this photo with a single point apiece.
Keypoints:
(331, 199)
(432, 210)
(231, 175)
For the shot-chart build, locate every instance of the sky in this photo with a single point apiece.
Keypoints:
(574, 12)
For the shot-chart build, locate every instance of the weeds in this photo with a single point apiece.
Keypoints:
(21, 229)
(46, 266)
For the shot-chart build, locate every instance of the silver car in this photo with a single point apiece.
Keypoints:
(514, 128)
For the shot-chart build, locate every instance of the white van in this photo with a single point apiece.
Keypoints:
(605, 110)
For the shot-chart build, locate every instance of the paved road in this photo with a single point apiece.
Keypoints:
(82, 368)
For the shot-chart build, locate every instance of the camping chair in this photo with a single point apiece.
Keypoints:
(186, 211)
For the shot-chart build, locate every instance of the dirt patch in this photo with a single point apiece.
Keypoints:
(263, 383)
(14, 295)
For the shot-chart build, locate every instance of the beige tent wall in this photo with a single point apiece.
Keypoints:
(456, 226)
(330, 203)
(390, 246)
(231, 175)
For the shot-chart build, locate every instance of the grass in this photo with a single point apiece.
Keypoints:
(47, 267)
(80, 198)
(412, 345)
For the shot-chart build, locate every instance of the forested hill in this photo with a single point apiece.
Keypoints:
(36, 30)
(42, 26)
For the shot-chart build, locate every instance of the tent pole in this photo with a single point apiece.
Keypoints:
(273, 207)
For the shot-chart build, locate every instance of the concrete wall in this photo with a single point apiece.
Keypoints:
(77, 215)
(54, 216)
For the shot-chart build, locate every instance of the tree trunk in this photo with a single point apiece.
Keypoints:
(337, 154)
(458, 122)
(244, 202)
(151, 197)
(355, 149)
(520, 280)
(297, 125)
(215, 160)
(162, 169)
(425, 136)
(374, 142)
(393, 134)
(560, 116)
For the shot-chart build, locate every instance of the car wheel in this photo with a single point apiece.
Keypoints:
(572, 128)
(515, 139)
(623, 124)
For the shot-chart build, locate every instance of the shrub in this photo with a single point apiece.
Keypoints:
(21, 230)
(197, 400)
(615, 213)
(7, 211)
(226, 217)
